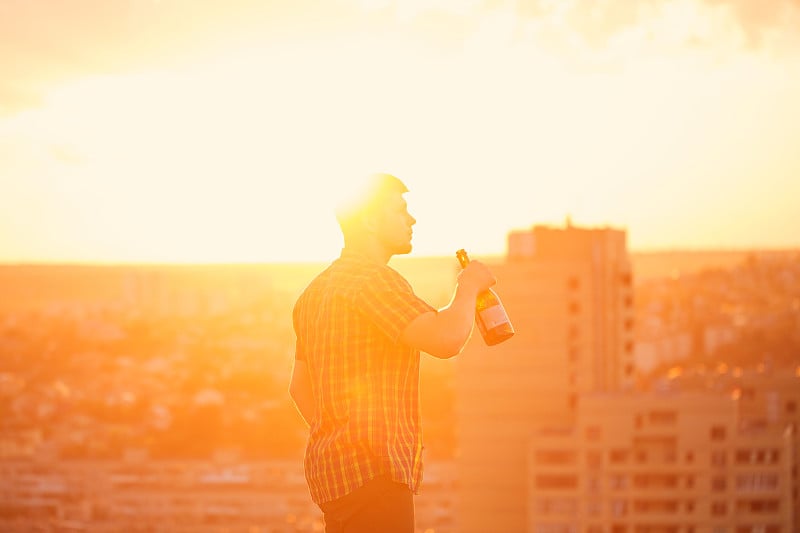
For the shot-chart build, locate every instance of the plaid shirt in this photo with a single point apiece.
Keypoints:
(365, 382)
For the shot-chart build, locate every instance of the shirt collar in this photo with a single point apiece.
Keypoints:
(357, 255)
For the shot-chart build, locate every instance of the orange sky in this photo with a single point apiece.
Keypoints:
(176, 130)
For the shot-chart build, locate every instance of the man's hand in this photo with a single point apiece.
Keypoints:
(476, 277)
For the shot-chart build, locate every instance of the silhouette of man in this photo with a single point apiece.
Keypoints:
(360, 329)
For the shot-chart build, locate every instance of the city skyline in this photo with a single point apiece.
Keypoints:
(151, 396)
(164, 131)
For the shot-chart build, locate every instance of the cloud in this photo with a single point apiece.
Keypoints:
(13, 98)
(66, 155)
(757, 17)
(47, 42)
(600, 20)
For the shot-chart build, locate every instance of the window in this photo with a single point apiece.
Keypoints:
(655, 506)
(574, 308)
(619, 508)
(594, 459)
(756, 482)
(718, 458)
(556, 506)
(629, 347)
(759, 529)
(655, 480)
(718, 433)
(574, 283)
(574, 332)
(745, 456)
(556, 481)
(719, 508)
(594, 507)
(718, 484)
(618, 456)
(758, 506)
(555, 457)
(618, 482)
(663, 417)
(555, 528)
(594, 433)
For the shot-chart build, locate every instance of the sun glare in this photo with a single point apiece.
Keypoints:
(195, 166)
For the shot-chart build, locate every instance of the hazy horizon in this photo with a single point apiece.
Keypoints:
(707, 251)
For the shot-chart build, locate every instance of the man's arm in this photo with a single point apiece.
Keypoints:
(301, 393)
(444, 333)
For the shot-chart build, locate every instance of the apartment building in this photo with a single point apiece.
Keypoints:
(569, 294)
(771, 398)
(660, 463)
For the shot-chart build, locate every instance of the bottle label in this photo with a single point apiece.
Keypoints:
(493, 316)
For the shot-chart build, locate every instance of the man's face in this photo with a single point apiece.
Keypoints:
(393, 225)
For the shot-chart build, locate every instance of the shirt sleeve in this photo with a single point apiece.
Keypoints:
(389, 302)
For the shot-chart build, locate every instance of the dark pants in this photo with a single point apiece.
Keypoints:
(380, 506)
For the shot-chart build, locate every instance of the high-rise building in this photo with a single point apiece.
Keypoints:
(569, 294)
(660, 463)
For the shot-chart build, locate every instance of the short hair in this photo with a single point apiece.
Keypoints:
(365, 196)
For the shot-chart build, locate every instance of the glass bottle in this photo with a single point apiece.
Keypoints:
(490, 315)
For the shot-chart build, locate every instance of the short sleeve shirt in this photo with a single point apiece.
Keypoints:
(348, 323)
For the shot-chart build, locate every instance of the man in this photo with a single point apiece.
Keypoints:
(360, 329)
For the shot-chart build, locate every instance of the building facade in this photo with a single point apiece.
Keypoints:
(569, 294)
(661, 463)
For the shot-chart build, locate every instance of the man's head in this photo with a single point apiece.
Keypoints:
(374, 212)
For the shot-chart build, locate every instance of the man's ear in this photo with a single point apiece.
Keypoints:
(370, 222)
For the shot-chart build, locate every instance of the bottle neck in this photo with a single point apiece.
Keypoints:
(462, 257)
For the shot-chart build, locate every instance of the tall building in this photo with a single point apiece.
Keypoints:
(569, 294)
(661, 463)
